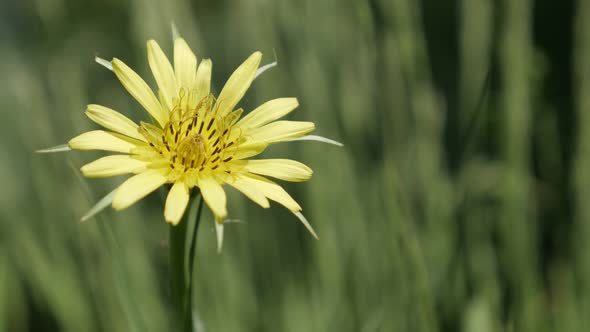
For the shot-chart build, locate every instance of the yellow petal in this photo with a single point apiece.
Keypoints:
(176, 203)
(273, 191)
(267, 112)
(103, 140)
(113, 120)
(236, 86)
(214, 196)
(137, 88)
(137, 187)
(246, 151)
(276, 193)
(163, 72)
(203, 79)
(112, 166)
(284, 169)
(279, 131)
(253, 186)
(249, 189)
(185, 64)
(150, 131)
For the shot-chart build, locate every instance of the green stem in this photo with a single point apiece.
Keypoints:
(192, 252)
(180, 271)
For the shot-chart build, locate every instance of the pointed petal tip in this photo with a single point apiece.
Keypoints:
(318, 139)
(306, 223)
(264, 68)
(53, 149)
(175, 33)
(99, 206)
(85, 217)
(219, 233)
(234, 221)
(105, 63)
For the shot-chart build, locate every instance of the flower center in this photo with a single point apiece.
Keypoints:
(195, 138)
(192, 150)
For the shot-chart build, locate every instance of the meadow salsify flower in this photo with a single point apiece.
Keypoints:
(196, 141)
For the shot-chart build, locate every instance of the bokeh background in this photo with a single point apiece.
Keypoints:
(460, 202)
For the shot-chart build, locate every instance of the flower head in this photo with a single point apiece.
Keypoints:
(197, 141)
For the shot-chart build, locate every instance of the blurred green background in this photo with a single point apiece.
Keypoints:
(460, 202)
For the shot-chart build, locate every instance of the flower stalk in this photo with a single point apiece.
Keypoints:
(182, 237)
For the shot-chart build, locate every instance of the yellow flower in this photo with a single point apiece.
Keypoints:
(197, 141)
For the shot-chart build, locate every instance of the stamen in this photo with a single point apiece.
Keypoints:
(190, 148)
(210, 124)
